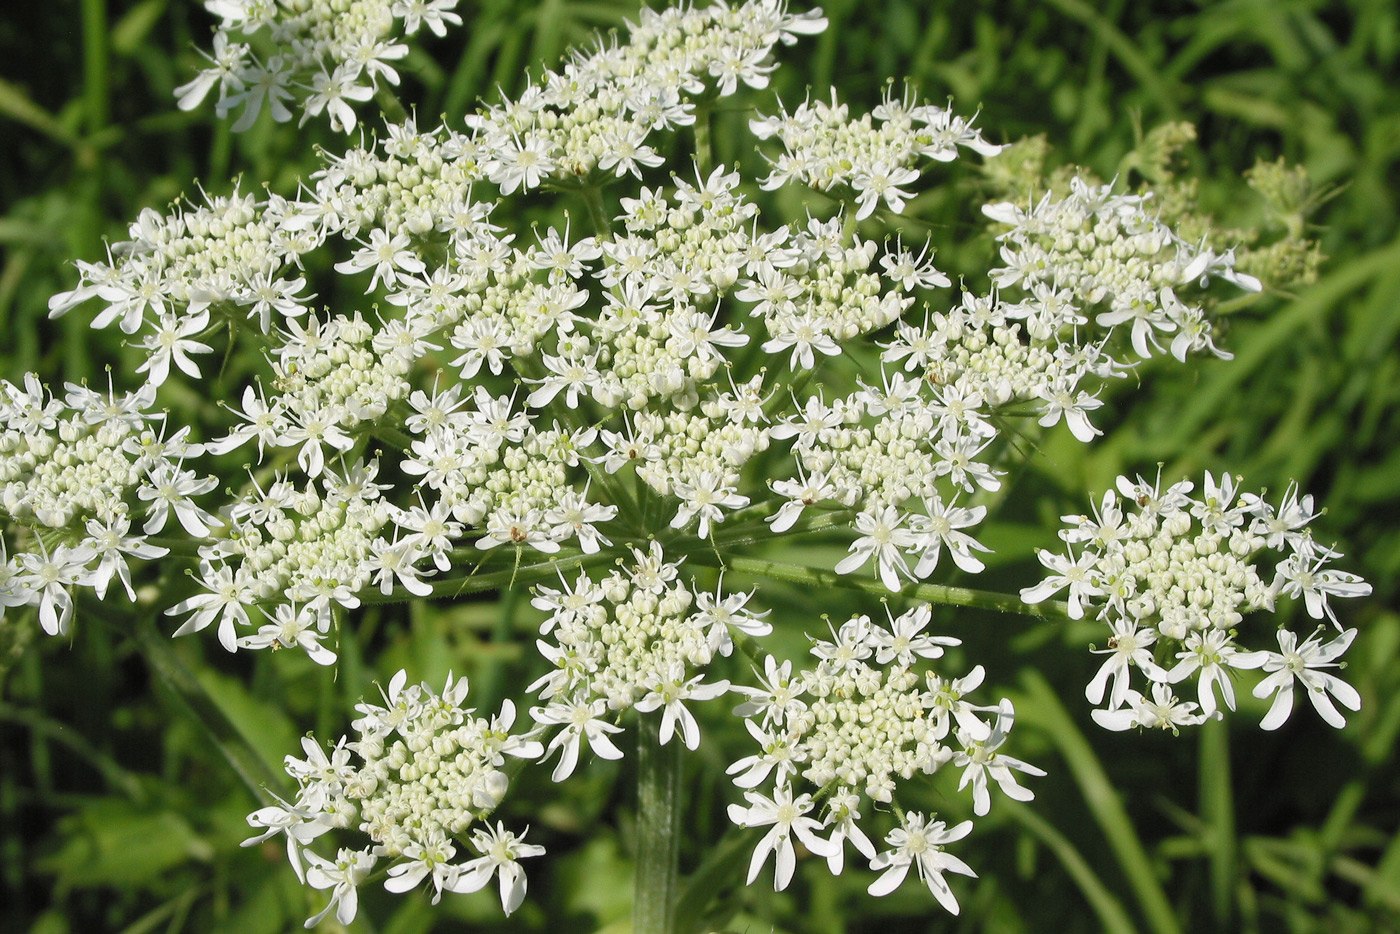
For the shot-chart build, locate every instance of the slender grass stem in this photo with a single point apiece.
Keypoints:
(1043, 707)
(195, 703)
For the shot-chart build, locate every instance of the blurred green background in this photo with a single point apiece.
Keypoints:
(119, 813)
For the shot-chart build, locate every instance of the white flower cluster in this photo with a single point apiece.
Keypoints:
(422, 771)
(330, 378)
(874, 155)
(327, 54)
(233, 257)
(864, 718)
(493, 470)
(1095, 246)
(1173, 575)
(506, 377)
(74, 475)
(901, 453)
(295, 555)
(598, 112)
(635, 639)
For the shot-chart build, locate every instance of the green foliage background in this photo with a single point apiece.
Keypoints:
(118, 812)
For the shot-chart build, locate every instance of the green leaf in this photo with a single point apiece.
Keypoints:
(112, 842)
(131, 30)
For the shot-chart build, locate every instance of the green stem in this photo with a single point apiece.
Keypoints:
(95, 70)
(196, 703)
(597, 211)
(390, 105)
(932, 593)
(53, 731)
(658, 830)
(492, 580)
(1100, 898)
(1218, 811)
(704, 150)
(1042, 707)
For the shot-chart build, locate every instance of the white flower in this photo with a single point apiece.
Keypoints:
(1080, 576)
(1164, 711)
(704, 498)
(332, 92)
(49, 577)
(386, 256)
(668, 694)
(429, 858)
(520, 164)
(906, 639)
(1300, 574)
(916, 844)
(579, 720)
(1211, 653)
(110, 542)
(1301, 663)
(980, 760)
(884, 537)
(172, 341)
(786, 816)
(170, 486)
(342, 876)
(940, 527)
(290, 627)
(842, 807)
(500, 851)
(1128, 645)
(776, 751)
(777, 697)
(225, 602)
(394, 563)
(718, 612)
(299, 824)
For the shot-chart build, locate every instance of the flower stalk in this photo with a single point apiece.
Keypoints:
(658, 830)
(931, 593)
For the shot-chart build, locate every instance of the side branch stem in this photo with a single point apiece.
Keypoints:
(658, 830)
(447, 587)
(932, 593)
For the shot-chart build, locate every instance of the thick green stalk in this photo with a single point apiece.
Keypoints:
(933, 593)
(597, 211)
(1218, 811)
(658, 830)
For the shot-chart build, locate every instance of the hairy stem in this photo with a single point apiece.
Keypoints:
(658, 830)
